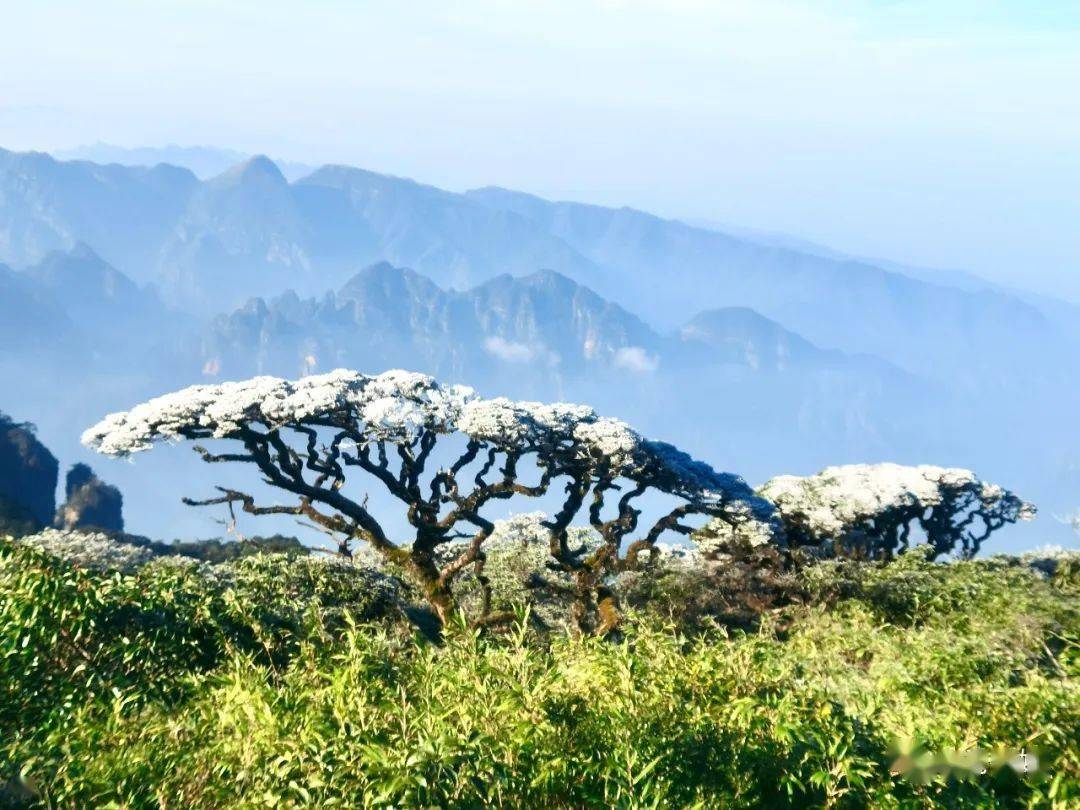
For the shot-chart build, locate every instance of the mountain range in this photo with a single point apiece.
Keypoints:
(249, 232)
(556, 330)
(540, 335)
(761, 355)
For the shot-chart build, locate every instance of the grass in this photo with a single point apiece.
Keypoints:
(284, 684)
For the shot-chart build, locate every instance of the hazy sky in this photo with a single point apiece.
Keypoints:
(939, 132)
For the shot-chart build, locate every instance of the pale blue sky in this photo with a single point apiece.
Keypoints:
(944, 133)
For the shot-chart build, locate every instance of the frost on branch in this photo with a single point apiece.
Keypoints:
(873, 509)
(518, 571)
(720, 537)
(397, 404)
(304, 435)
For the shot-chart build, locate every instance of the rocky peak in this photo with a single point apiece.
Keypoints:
(28, 474)
(90, 503)
(258, 169)
(743, 336)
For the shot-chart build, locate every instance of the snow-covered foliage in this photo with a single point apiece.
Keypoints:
(718, 536)
(1050, 559)
(391, 405)
(277, 591)
(101, 552)
(875, 507)
(387, 426)
(669, 556)
(90, 550)
(527, 530)
(395, 406)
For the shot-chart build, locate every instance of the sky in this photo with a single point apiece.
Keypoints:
(941, 133)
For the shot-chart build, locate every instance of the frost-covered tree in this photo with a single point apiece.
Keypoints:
(306, 437)
(518, 571)
(872, 510)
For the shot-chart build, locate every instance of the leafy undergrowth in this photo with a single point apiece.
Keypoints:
(284, 683)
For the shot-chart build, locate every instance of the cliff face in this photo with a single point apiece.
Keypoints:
(28, 475)
(90, 503)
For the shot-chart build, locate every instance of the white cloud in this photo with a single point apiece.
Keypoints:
(509, 350)
(636, 359)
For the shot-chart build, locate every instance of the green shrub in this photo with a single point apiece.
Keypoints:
(15, 519)
(264, 688)
(700, 594)
(71, 635)
(215, 550)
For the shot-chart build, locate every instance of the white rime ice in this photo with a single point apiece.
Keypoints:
(875, 507)
(839, 498)
(393, 405)
(397, 405)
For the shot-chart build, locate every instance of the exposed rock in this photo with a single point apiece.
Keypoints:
(15, 519)
(91, 503)
(28, 475)
(544, 322)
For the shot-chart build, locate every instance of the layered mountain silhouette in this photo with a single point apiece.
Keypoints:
(835, 301)
(77, 336)
(96, 297)
(209, 245)
(125, 213)
(77, 302)
(203, 161)
(763, 355)
(30, 319)
(545, 325)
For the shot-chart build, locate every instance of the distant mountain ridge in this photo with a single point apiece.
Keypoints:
(841, 303)
(95, 295)
(210, 245)
(544, 322)
(202, 161)
(75, 299)
(30, 319)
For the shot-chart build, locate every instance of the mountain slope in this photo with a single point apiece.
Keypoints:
(537, 335)
(203, 161)
(1064, 315)
(94, 294)
(741, 336)
(124, 213)
(841, 304)
(445, 235)
(241, 230)
(385, 316)
(782, 388)
(74, 316)
(248, 232)
(30, 319)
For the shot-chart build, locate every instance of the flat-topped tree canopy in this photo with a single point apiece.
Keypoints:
(345, 419)
(881, 504)
(394, 405)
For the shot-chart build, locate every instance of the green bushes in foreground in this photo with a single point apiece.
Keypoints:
(272, 682)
